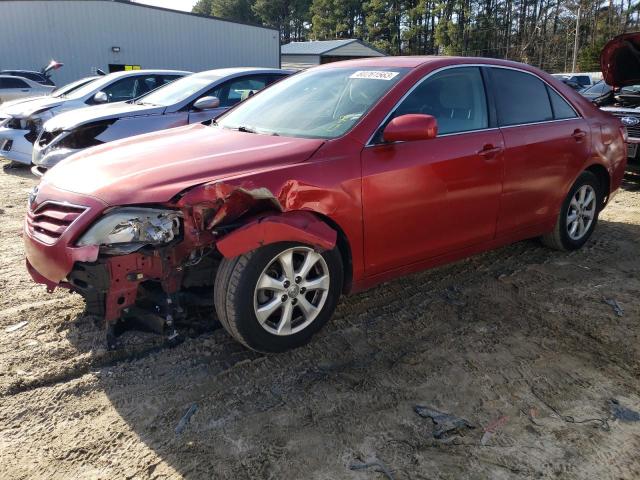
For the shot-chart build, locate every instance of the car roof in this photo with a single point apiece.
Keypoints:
(421, 61)
(128, 73)
(225, 72)
(13, 76)
(19, 71)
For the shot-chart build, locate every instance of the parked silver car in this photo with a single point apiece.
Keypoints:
(193, 99)
(14, 88)
(20, 124)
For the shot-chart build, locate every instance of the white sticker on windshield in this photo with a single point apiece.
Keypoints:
(374, 74)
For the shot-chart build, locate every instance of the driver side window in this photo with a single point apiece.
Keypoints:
(455, 97)
(121, 90)
(234, 91)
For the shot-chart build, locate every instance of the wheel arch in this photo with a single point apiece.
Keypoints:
(305, 226)
(604, 179)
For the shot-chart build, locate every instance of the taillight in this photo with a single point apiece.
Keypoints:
(625, 133)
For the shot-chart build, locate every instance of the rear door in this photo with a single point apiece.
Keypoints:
(546, 142)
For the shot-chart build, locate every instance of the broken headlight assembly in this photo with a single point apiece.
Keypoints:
(126, 230)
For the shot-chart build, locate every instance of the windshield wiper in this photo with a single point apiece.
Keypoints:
(246, 129)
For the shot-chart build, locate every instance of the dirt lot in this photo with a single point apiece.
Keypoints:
(519, 342)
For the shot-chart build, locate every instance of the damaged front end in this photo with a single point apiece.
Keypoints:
(53, 146)
(152, 263)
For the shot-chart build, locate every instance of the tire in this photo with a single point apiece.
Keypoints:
(239, 300)
(561, 238)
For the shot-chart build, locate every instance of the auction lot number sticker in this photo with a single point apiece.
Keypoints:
(374, 74)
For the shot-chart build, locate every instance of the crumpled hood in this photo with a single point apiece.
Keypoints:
(75, 118)
(155, 167)
(620, 60)
(26, 109)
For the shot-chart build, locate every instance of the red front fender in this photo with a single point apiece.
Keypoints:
(299, 226)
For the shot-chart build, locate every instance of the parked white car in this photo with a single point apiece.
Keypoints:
(21, 123)
(196, 98)
(13, 88)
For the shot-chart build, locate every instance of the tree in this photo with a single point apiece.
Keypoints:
(203, 7)
(238, 10)
(289, 16)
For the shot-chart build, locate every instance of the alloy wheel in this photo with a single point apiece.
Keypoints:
(291, 291)
(581, 212)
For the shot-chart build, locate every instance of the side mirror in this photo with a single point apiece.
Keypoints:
(100, 97)
(206, 103)
(410, 127)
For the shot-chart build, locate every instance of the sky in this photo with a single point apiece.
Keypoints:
(185, 5)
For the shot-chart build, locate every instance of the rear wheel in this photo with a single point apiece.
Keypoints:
(276, 297)
(578, 215)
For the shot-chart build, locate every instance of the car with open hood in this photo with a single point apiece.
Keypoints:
(196, 98)
(42, 77)
(330, 181)
(620, 63)
(20, 124)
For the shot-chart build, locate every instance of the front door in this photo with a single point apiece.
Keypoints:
(425, 198)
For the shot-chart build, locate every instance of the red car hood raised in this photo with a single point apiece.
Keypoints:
(620, 60)
(155, 167)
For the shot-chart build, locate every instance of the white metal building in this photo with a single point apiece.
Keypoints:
(116, 35)
(308, 54)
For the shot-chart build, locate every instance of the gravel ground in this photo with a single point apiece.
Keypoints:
(518, 342)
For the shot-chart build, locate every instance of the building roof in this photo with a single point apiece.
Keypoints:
(171, 10)
(319, 47)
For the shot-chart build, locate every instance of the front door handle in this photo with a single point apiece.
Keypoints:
(578, 134)
(489, 151)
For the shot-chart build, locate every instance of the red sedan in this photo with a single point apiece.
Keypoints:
(329, 182)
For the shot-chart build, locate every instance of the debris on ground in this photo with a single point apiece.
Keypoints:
(453, 296)
(71, 409)
(184, 421)
(444, 423)
(17, 326)
(619, 311)
(376, 464)
(622, 413)
(491, 429)
(603, 422)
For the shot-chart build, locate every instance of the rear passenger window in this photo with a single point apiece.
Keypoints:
(561, 109)
(455, 97)
(520, 97)
(14, 83)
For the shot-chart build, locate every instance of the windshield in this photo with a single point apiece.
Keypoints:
(324, 103)
(177, 91)
(630, 89)
(91, 87)
(70, 87)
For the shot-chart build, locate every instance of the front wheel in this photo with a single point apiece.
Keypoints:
(276, 297)
(578, 215)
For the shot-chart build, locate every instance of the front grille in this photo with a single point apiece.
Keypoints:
(633, 132)
(51, 219)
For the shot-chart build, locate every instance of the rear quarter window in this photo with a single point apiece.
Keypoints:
(561, 108)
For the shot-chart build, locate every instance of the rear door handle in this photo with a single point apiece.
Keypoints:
(489, 151)
(25, 90)
(579, 134)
